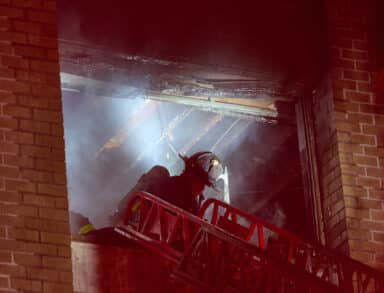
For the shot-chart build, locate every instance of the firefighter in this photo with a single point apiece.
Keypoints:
(185, 190)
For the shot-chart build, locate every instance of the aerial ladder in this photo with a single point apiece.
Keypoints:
(224, 249)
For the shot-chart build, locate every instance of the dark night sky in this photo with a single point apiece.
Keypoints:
(275, 35)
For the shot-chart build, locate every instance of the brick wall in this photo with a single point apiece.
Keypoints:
(35, 252)
(350, 127)
(106, 268)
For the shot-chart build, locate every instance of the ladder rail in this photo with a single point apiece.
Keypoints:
(172, 231)
(347, 273)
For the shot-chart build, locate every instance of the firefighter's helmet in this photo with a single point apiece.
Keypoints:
(205, 165)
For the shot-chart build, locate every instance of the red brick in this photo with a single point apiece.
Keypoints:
(37, 176)
(364, 87)
(51, 189)
(371, 129)
(365, 160)
(6, 97)
(352, 169)
(4, 282)
(346, 33)
(40, 248)
(57, 287)
(5, 23)
(11, 12)
(15, 37)
(27, 285)
(7, 73)
(53, 55)
(375, 172)
(37, 4)
(12, 220)
(378, 236)
(66, 277)
(15, 62)
(370, 204)
(53, 214)
(378, 215)
(364, 66)
(368, 182)
(38, 200)
(44, 17)
(358, 97)
(363, 139)
(60, 178)
(35, 29)
(48, 116)
(24, 234)
(344, 63)
(8, 123)
(347, 126)
(46, 140)
(350, 148)
(65, 251)
(362, 256)
(14, 86)
(35, 102)
(27, 259)
(44, 42)
(34, 126)
(18, 210)
(8, 196)
(354, 191)
(9, 148)
(9, 172)
(354, 54)
(36, 151)
(44, 225)
(19, 137)
(49, 165)
(5, 256)
(356, 75)
(42, 274)
(342, 43)
(12, 270)
(373, 151)
(357, 213)
(46, 91)
(359, 234)
(3, 232)
(346, 106)
(59, 263)
(29, 51)
(14, 245)
(371, 225)
(379, 120)
(50, 5)
(364, 108)
(360, 45)
(45, 66)
(17, 111)
(345, 84)
(39, 77)
(58, 154)
(57, 129)
(20, 185)
(55, 238)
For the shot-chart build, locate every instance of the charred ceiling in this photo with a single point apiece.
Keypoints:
(229, 90)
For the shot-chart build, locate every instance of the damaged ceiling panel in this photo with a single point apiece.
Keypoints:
(116, 75)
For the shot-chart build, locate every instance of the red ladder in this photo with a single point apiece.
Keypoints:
(227, 250)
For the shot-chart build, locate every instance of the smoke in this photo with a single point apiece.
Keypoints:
(111, 142)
